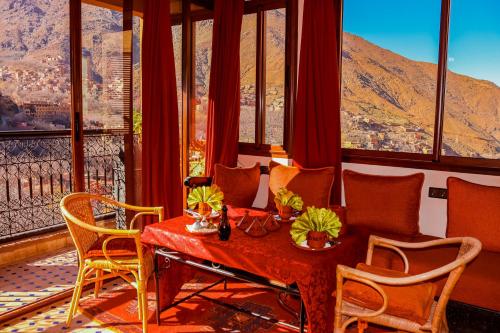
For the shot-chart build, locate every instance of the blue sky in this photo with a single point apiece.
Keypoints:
(411, 28)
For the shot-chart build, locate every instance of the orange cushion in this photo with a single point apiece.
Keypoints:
(474, 210)
(313, 185)
(120, 247)
(410, 302)
(239, 185)
(383, 203)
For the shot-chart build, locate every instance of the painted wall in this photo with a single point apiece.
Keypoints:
(432, 210)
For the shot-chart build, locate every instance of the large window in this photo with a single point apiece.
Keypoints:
(472, 104)
(34, 66)
(201, 80)
(248, 71)
(389, 83)
(262, 66)
(396, 94)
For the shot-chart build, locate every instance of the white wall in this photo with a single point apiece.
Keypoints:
(432, 210)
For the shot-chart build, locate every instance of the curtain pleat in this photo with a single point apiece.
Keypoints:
(161, 179)
(317, 112)
(224, 91)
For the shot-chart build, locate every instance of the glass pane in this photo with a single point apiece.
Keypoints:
(202, 61)
(389, 72)
(103, 60)
(137, 74)
(35, 94)
(105, 88)
(177, 43)
(275, 76)
(248, 58)
(472, 105)
(35, 86)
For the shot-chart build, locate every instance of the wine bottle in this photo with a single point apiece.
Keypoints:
(224, 226)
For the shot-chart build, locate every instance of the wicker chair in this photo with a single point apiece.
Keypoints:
(347, 313)
(107, 253)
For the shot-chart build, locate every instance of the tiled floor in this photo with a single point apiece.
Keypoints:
(37, 278)
(51, 319)
(40, 277)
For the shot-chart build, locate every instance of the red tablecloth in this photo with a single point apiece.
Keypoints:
(272, 256)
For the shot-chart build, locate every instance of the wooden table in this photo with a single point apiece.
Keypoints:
(272, 257)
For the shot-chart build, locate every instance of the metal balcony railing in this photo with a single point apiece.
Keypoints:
(36, 172)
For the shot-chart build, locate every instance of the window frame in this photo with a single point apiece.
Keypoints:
(259, 7)
(435, 160)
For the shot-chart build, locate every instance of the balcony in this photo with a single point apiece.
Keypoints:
(36, 172)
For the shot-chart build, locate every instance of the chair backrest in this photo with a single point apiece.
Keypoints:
(77, 211)
(474, 210)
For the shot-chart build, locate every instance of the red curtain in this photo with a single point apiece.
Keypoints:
(317, 112)
(161, 179)
(224, 91)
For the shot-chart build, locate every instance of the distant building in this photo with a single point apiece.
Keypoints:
(44, 111)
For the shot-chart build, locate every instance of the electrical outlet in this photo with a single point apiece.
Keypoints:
(439, 193)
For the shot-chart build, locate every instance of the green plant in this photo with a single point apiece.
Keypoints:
(287, 198)
(137, 119)
(211, 195)
(315, 219)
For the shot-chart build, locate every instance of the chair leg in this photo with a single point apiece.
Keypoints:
(143, 303)
(362, 326)
(76, 293)
(98, 282)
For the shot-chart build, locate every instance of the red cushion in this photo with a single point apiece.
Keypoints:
(478, 284)
(120, 247)
(474, 210)
(383, 203)
(313, 185)
(412, 302)
(239, 185)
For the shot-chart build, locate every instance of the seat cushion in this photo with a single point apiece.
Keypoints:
(239, 185)
(120, 247)
(313, 185)
(478, 284)
(474, 210)
(410, 302)
(383, 203)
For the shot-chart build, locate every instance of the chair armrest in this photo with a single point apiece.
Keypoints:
(114, 262)
(388, 244)
(192, 182)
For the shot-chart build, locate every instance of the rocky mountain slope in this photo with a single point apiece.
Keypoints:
(386, 92)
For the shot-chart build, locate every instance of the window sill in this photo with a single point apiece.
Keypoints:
(421, 161)
(245, 148)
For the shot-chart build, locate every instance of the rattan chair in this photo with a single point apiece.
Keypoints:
(107, 253)
(347, 313)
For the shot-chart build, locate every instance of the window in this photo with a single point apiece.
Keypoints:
(388, 84)
(248, 62)
(275, 76)
(397, 96)
(472, 104)
(262, 115)
(35, 82)
(198, 121)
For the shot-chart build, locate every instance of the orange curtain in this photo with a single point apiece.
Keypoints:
(224, 91)
(161, 179)
(317, 113)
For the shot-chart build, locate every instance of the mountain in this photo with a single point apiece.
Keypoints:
(384, 92)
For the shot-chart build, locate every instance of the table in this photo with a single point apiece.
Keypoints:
(272, 257)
